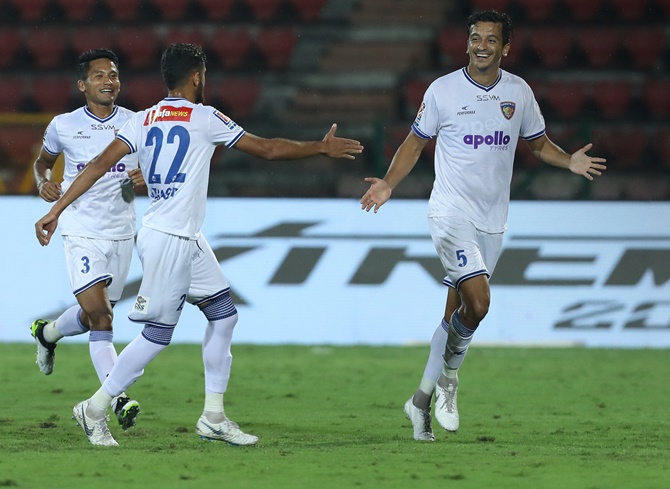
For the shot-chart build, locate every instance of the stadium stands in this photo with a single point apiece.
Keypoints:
(216, 9)
(11, 93)
(139, 47)
(171, 9)
(77, 10)
(86, 38)
(599, 45)
(552, 46)
(30, 10)
(276, 46)
(10, 41)
(231, 47)
(612, 98)
(47, 46)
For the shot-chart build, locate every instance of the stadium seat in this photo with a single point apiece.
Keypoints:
(86, 38)
(11, 93)
(53, 94)
(276, 45)
(77, 10)
(30, 10)
(612, 98)
(414, 90)
(656, 97)
(47, 46)
(20, 144)
(10, 40)
(139, 93)
(123, 10)
(263, 9)
(517, 52)
(231, 46)
(624, 146)
(239, 96)
(185, 34)
(216, 9)
(629, 10)
(454, 44)
(552, 45)
(139, 46)
(566, 99)
(645, 46)
(171, 9)
(537, 10)
(584, 10)
(499, 5)
(661, 145)
(308, 9)
(599, 45)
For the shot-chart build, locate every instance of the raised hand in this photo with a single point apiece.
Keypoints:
(341, 147)
(582, 164)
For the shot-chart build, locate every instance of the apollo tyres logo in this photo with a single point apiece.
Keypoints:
(497, 141)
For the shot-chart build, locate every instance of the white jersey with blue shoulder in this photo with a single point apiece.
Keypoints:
(101, 212)
(477, 130)
(175, 140)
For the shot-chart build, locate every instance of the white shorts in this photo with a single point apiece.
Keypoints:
(90, 260)
(176, 270)
(464, 251)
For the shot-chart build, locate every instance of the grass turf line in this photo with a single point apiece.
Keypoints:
(332, 417)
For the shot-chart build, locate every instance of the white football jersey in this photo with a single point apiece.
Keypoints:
(101, 212)
(175, 140)
(477, 130)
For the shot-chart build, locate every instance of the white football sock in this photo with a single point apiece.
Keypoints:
(103, 353)
(67, 324)
(216, 354)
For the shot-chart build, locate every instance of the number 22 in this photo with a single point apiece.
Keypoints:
(155, 136)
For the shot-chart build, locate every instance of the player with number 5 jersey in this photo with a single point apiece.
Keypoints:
(175, 141)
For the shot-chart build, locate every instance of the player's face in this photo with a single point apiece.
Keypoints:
(485, 46)
(102, 85)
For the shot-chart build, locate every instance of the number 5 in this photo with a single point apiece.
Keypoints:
(460, 255)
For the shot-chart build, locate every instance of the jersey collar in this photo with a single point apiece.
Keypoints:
(93, 116)
(479, 85)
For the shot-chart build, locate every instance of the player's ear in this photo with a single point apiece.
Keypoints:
(81, 85)
(505, 49)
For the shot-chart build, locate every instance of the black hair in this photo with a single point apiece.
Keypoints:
(179, 61)
(84, 60)
(495, 17)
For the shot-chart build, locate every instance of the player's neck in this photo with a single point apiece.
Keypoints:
(181, 93)
(100, 111)
(485, 78)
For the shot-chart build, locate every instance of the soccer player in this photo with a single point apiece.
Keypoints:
(477, 115)
(175, 140)
(99, 228)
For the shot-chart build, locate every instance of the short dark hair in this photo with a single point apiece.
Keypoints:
(84, 60)
(495, 17)
(179, 61)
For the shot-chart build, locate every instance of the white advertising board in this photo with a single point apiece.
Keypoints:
(310, 271)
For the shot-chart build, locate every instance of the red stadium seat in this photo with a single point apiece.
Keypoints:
(239, 96)
(612, 98)
(624, 146)
(10, 40)
(276, 45)
(47, 46)
(263, 9)
(517, 51)
(171, 9)
(584, 10)
(414, 90)
(231, 46)
(30, 10)
(87, 38)
(11, 93)
(216, 9)
(629, 10)
(77, 10)
(53, 94)
(599, 45)
(308, 9)
(645, 46)
(140, 46)
(123, 10)
(656, 97)
(185, 35)
(537, 10)
(567, 99)
(552, 45)
(499, 5)
(453, 42)
(140, 93)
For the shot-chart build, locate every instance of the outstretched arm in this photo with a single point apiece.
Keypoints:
(578, 162)
(403, 161)
(42, 168)
(45, 227)
(286, 149)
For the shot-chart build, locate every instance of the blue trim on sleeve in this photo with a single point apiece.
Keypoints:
(535, 136)
(237, 138)
(49, 151)
(132, 149)
(419, 133)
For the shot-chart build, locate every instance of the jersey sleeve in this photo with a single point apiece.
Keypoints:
(427, 119)
(223, 130)
(51, 141)
(532, 124)
(129, 132)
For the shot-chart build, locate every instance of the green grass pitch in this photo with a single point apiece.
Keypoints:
(331, 417)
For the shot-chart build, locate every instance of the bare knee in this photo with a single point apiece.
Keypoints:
(473, 312)
(100, 320)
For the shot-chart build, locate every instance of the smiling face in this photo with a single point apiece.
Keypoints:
(102, 85)
(485, 46)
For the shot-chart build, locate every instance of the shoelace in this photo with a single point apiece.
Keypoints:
(102, 424)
